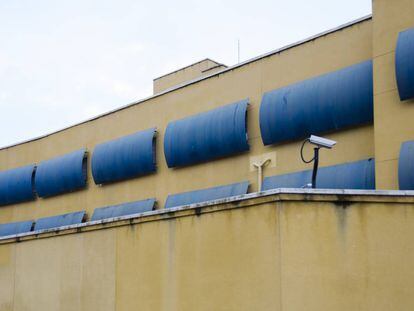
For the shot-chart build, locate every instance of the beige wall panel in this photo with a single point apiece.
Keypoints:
(190, 264)
(385, 79)
(321, 269)
(394, 125)
(98, 271)
(142, 267)
(387, 174)
(7, 276)
(347, 257)
(48, 274)
(7, 212)
(215, 268)
(389, 18)
(390, 252)
(74, 272)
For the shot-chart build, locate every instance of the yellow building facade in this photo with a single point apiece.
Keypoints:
(281, 249)
(333, 51)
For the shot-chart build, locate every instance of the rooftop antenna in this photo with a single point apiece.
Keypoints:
(238, 51)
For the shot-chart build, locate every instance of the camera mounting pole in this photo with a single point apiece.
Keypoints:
(315, 166)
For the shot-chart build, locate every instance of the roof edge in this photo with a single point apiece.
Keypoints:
(244, 200)
(185, 67)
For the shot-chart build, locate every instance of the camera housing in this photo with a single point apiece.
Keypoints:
(322, 142)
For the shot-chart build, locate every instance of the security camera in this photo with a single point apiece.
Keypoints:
(322, 142)
(319, 142)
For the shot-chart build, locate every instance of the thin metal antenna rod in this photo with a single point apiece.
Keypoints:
(238, 51)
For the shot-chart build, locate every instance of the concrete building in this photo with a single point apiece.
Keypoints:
(157, 206)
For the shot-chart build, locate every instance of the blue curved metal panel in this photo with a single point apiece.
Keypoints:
(204, 195)
(123, 209)
(404, 64)
(123, 158)
(406, 166)
(354, 175)
(59, 220)
(334, 101)
(61, 174)
(207, 136)
(292, 180)
(16, 227)
(17, 185)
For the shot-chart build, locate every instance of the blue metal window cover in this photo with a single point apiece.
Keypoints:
(17, 185)
(123, 209)
(13, 228)
(59, 220)
(406, 166)
(353, 175)
(126, 157)
(330, 102)
(208, 194)
(404, 64)
(207, 136)
(61, 174)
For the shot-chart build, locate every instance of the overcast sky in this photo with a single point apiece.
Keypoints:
(62, 62)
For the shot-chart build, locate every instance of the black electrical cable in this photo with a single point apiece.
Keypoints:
(301, 152)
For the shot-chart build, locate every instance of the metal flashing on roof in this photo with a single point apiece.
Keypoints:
(123, 209)
(126, 157)
(207, 136)
(208, 194)
(62, 174)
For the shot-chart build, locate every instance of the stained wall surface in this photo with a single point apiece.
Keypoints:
(286, 252)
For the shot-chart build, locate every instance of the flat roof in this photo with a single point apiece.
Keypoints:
(196, 80)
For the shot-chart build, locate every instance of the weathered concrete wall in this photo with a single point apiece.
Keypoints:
(276, 252)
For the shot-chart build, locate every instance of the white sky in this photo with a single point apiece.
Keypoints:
(62, 62)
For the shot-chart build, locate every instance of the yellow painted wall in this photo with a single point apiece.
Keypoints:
(393, 118)
(281, 252)
(325, 54)
(197, 70)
